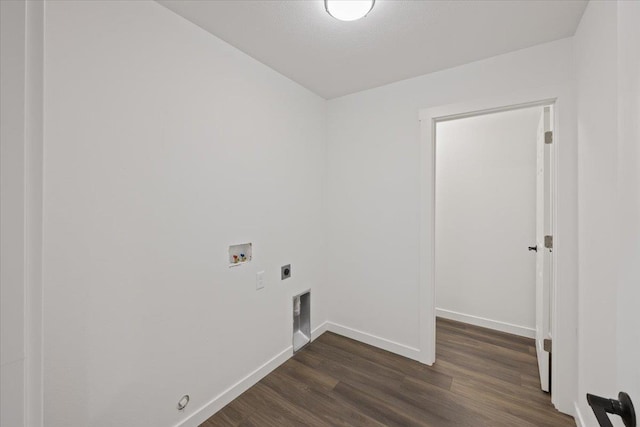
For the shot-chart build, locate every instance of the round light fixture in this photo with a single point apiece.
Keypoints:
(348, 10)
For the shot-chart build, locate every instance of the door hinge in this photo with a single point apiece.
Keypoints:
(548, 137)
(548, 242)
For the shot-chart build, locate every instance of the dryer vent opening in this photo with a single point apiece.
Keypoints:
(301, 321)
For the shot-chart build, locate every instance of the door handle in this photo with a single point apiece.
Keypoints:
(622, 407)
(533, 248)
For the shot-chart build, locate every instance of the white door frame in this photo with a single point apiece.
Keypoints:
(22, 198)
(565, 211)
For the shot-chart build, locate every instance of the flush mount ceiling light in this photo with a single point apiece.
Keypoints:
(348, 10)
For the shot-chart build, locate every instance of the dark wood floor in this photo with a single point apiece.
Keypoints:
(481, 378)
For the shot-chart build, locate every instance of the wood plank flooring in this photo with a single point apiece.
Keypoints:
(481, 378)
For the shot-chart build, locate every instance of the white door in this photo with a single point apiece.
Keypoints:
(544, 253)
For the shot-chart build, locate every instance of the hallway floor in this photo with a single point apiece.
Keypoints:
(481, 378)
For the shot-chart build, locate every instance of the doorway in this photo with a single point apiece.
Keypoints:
(492, 211)
(563, 311)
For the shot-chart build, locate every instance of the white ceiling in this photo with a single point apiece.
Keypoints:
(399, 39)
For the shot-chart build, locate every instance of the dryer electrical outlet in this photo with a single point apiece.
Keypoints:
(285, 271)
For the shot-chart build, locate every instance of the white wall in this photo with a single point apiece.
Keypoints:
(608, 91)
(486, 218)
(596, 59)
(374, 189)
(628, 208)
(163, 146)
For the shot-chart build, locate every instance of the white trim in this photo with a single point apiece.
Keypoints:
(224, 398)
(427, 277)
(496, 325)
(33, 191)
(578, 416)
(319, 330)
(383, 343)
(565, 266)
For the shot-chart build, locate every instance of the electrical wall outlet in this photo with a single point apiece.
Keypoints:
(259, 280)
(285, 271)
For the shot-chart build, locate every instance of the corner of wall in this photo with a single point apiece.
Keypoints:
(578, 416)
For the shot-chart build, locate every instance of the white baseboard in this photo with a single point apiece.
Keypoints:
(383, 343)
(221, 400)
(578, 416)
(319, 330)
(523, 331)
